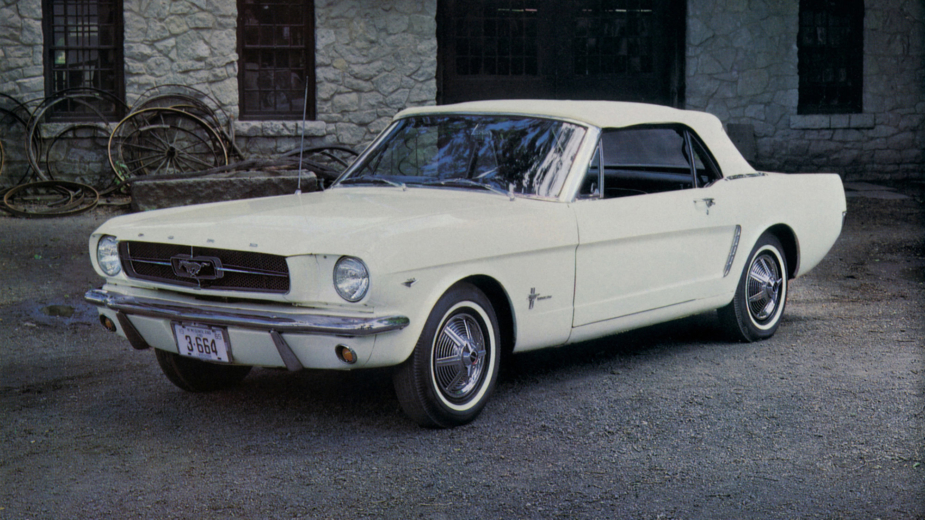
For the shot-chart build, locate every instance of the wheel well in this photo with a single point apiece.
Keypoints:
(791, 246)
(502, 306)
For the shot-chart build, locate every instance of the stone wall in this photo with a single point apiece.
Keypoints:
(186, 42)
(742, 67)
(21, 68)
(21, 76)
(373, 57)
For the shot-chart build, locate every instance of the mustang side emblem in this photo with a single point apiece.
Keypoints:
(534, 297)
(197, 267)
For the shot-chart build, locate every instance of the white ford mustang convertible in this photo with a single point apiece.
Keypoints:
(465, 232)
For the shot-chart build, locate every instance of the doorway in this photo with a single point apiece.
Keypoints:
(622, 50)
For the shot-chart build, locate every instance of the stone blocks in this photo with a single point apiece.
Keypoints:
(754, 51)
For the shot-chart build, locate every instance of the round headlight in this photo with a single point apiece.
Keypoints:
(107, 254)
(351, 278)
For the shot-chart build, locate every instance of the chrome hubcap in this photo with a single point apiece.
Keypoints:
(764, 287)
(459, 356)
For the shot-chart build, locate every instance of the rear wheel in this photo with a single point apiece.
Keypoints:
(193, 375)
(452, 371)
(761, 295)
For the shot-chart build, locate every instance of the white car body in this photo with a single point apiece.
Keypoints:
(566, 269)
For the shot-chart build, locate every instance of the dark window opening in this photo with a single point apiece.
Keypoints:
(276, 46)
(830, 53)
(496, 38)
(83, 49)
(614, 37)
(626, 50)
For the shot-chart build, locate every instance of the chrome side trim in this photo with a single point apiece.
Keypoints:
(300, 323)
(732, 250)
(745, 176)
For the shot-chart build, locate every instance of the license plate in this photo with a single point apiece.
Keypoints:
(202, 342)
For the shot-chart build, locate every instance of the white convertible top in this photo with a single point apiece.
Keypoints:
(608, 114)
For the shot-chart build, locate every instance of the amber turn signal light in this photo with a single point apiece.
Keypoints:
(346, 354)
(108, 323)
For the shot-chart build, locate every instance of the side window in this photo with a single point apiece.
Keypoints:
(591, 186)
(707, 171)
(644, 160)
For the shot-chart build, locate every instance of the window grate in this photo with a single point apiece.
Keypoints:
(277, 58)
(83, 45)
(830, 56)
(613, 37)
(496, 38)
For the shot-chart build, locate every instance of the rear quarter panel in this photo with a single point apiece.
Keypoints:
(811, 205)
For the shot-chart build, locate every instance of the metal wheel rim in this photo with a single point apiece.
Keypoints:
(764, 287)
(460, 357)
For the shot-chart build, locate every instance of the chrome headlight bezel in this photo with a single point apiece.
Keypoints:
(351, 278)
(107, 255)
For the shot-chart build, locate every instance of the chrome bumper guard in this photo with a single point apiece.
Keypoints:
(299, 323)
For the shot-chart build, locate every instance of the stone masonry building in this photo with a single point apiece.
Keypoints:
(802, 85)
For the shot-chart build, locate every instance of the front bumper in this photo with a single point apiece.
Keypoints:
(248, 325)
(349, 327)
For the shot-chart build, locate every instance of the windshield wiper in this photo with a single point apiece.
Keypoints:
(469, 183)
(367, 179)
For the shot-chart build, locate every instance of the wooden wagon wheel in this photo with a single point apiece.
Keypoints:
(163, 141)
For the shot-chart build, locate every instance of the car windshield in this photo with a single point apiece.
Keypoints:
(517, 155)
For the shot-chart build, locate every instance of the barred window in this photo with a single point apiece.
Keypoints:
(276, 48)
(830, 53)
(496, 38)
(613, 37)
(83, 49)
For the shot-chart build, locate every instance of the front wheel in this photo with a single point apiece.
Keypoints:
(452, 371)
(761, 295)
(193, 375)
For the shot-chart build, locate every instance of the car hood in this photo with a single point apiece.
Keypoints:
(379, 222)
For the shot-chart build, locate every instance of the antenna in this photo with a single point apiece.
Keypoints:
(302, 142)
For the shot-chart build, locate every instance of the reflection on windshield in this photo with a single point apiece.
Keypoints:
(519, 155)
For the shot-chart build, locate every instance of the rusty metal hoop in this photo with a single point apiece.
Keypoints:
(328, 162)
(89, 98)
(9, 120)
(59, 150)
(45, 199)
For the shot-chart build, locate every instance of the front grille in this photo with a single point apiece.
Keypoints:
(239, 271)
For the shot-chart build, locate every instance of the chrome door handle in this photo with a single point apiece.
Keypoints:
(709, 203)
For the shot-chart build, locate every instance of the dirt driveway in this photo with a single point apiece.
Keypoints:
(825, 420)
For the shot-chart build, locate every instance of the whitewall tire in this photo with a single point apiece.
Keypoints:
(452, 371)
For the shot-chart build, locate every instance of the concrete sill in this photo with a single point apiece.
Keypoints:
(279, 128)
(831, 121)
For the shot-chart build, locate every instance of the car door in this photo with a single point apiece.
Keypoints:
(652, 233)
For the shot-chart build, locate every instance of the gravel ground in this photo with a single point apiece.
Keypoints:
(824, 420)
